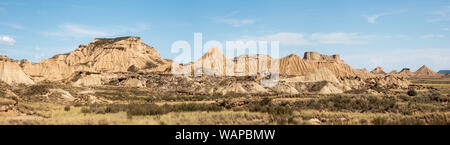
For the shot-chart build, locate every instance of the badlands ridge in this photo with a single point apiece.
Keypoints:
(127, 61)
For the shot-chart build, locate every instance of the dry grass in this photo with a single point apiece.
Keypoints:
(75, 117)
(428, 107)
(437, 85)
(355, 118)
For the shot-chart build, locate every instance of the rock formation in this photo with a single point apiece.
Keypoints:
(405, 72)
(127, 62)
(294, 65)
(322, 74)
(215, 63)
(101, 55)
(378, 70)
(312, 61)
(11, 73)
(425, 71)
(317, 57)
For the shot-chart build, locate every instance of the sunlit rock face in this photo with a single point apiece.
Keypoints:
(11, 73)
(101, 55)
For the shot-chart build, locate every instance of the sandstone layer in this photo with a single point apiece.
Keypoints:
(11, 73)
(101, 55)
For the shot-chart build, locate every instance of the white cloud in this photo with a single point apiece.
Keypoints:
(235, 22)
(446, 29)
(298, 39)
(340, 38)
(372, 18)
(431, 36)
(7, 40)
(75, 30)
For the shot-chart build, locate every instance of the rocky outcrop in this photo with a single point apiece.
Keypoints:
(129, 54)
(294, 65)
(425, 71)
(214, 63)
(317, 57)
(332, 63)
(126, 61)
(6, 104)
(84, 79)
(62, 95)
(405, 72)
(252, 64)
(330, 88)
(11, 73)
(101, 55)
(133, 82)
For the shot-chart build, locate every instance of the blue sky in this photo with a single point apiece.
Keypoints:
(387, 33)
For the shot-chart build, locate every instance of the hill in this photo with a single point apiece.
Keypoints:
(11, 73)
(101, 55)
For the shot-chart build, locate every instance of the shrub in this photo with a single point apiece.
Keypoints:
(412, 93)
(67, 108)
(339, 103)
(379, 121)
(271, 109)
(438, 97)
(404, 97)
(148, 109)
(195, 107)
(85, 110)
(150, 99)
(145, 109)
(102, 109)
(2, 93)
(39, 89)
(266, 101)
(133, 68)
(317, 86)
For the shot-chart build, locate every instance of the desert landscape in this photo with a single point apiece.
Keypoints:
(125, 81)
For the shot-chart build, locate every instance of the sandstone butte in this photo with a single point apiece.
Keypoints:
(215, 62)
(101, 55)
(423, 71)
(129, 54)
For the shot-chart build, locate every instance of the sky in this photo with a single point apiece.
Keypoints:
(391, 34)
